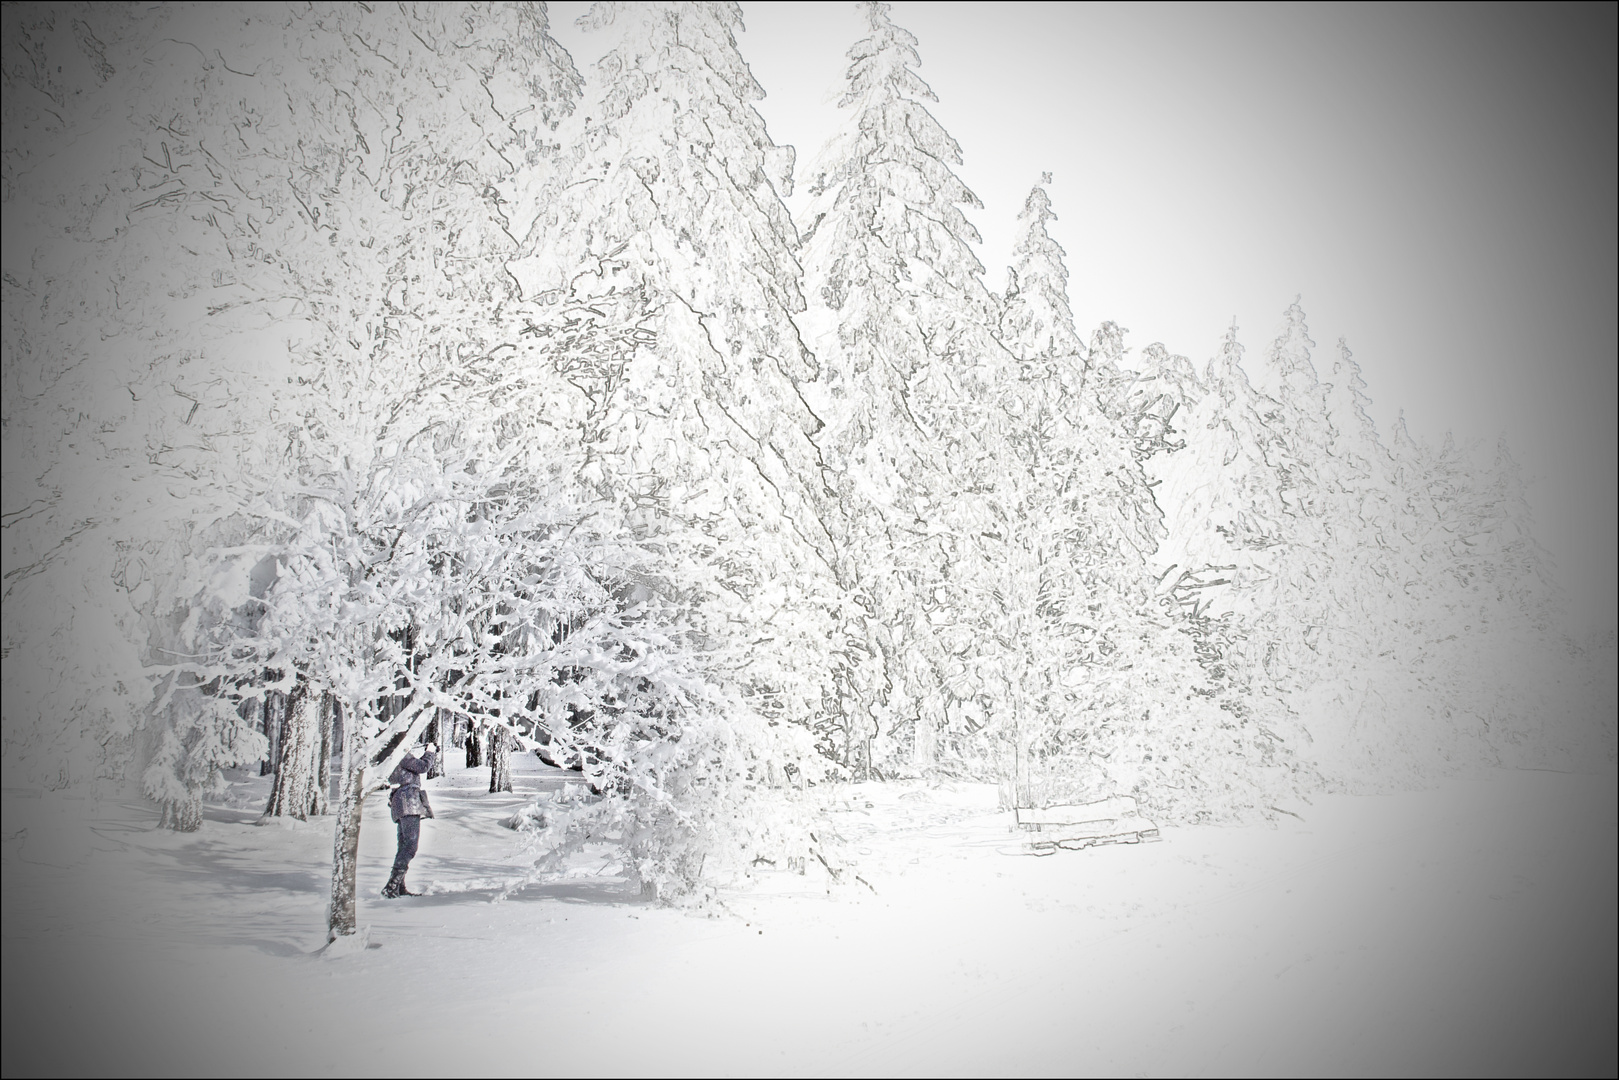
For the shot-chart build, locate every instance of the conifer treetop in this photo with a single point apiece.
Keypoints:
(1290, 352)
(676, 175)
(892, 174)
(1036, 320)
(883, 61)
(664, 36)
(1347, 403)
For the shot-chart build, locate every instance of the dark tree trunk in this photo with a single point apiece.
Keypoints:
(273, 712)
(500, 759)
(474, 746)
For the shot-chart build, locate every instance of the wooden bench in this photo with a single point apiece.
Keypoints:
(1111, 821)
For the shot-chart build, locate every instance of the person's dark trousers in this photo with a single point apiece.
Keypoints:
(410, 834)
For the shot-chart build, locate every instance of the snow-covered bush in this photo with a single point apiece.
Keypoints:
(691, 789)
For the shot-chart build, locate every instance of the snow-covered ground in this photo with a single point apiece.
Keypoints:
(1465, 930)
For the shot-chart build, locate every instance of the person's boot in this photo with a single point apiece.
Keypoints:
(394, 889)
(404, 891)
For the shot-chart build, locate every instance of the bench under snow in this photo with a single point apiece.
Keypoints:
(1082, 825)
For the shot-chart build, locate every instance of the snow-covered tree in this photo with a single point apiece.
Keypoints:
(673, 195)
(911, 391)
(425, 556)
(264, 185)
(1112, 698)
(1356, 597)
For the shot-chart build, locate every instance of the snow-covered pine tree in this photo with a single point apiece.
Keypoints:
(916, 434)
(1352, 681)
(1226, 528)
(1490, 676)
(672, 198)
(1347, 593)
(1359, 700)
(93, 422)
(1109, 698)
(1289, 606)
(1529, 682)
(1075, 539)
(1034, 311)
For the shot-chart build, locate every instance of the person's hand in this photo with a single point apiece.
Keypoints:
(431, 749)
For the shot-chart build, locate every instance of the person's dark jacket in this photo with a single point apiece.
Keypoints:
(408, 799)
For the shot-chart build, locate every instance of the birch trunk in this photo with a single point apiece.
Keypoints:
(436, 736)
(321, 803)
(341, 917)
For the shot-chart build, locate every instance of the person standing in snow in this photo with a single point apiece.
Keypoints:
(408, 804)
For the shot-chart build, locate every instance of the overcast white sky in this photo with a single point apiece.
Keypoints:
(1437, 182)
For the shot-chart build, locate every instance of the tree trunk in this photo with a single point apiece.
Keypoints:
(294, 792)
(322, 801)
(252, 711)
(500, 759)
(340, 732)
(341, 917)
(183, 815)
(474, 746)
(273, 712)
(436, 736)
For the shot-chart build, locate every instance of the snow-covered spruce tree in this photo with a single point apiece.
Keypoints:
(1487, 672)
(1280, 550)
(912, 391)
(261, 179)
(1326, 577)
(673, 195)
(1346, 628)
(1225, 534)
(1358, 695)
(1113, 699)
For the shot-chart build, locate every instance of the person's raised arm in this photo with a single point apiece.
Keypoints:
(422, 764)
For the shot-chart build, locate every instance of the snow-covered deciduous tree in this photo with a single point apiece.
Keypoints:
(263, 184)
